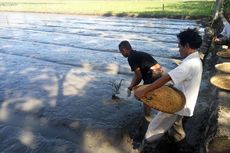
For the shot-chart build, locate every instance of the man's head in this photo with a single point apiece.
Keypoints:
(125, 48)
(189, 41)
(227, 16)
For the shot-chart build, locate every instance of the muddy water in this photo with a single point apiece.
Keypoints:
(58, 74)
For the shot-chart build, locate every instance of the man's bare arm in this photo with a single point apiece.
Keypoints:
(155, 85)
(136, 78)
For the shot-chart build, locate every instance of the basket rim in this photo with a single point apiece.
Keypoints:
(224, 53)
(220, 77)
(227, 64)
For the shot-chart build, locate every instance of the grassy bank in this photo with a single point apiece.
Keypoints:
(142, 8)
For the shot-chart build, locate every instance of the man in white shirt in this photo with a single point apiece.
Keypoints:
(186, 77)
(224, 37)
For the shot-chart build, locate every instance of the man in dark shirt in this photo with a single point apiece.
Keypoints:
(144, 66)
(224, 37)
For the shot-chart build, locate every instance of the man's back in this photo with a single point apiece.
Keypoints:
(144, 61)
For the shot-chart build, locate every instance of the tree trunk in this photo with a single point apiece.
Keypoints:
(217, 9)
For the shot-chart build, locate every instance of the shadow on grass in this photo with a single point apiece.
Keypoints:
(182, 10)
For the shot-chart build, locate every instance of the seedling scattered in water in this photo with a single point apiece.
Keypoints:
(115, 88)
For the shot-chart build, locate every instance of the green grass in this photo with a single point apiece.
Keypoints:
(143, 8)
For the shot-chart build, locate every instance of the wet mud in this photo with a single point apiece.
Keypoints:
(57, 77)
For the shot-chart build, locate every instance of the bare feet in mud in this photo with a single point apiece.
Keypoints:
(165, 145)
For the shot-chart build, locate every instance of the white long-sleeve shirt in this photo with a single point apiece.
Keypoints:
(187, 78)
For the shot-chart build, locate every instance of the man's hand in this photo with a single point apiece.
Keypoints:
(129, 92)
(216, 40)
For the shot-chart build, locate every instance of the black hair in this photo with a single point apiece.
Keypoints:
(226, 6)
(190, 37)
(125, 44)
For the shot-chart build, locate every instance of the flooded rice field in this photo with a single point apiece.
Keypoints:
(58, 74)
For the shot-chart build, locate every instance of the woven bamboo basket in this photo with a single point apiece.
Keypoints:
(224, 54)
(223, 67)
(221, 81)
(165, 99)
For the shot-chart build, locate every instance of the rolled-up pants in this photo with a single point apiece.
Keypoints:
(162, 123)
